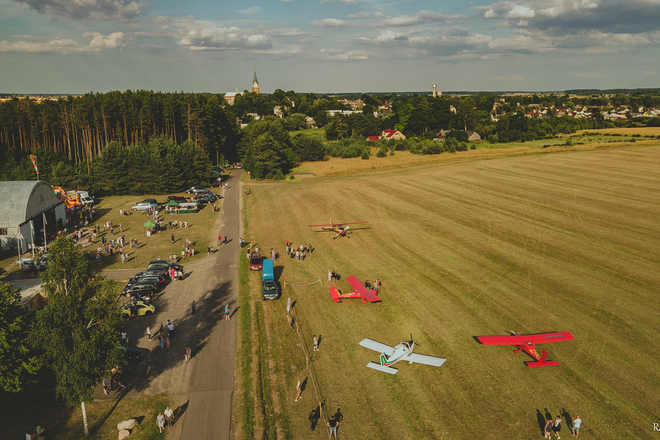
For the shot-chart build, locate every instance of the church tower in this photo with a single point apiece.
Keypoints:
(255, 84)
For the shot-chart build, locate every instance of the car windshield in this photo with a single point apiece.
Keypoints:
(269, 287)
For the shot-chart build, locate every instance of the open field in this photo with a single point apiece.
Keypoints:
(552, 242)
(318, 132)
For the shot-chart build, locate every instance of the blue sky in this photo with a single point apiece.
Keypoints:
(77, 46)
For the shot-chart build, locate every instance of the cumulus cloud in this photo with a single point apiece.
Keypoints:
(346, 2)
(349, 55)
(421, 17)
(249, 11)
(572, 16)
(330, 22)
(83, 9)
(365, 14)
(98, 42)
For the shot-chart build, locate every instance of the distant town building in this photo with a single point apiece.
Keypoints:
(255, 84)
(436, 92)
(387, 135)
(473, 136)
(230, 97)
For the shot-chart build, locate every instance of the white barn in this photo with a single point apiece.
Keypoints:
(24, 207)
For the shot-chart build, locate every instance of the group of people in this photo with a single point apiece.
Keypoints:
(165, 416)
(300, 252)
(555, 427)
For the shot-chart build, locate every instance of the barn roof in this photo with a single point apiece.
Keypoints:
(16, 207)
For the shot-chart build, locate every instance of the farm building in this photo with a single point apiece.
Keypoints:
(24, 209)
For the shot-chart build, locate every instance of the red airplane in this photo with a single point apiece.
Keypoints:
(340, 228)
(527, 344)
(359, 291)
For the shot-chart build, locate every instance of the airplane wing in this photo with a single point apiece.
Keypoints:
(377, 346)
(359, 287)
(426, 360)
(539, 338)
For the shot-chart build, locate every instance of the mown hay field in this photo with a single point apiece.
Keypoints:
(556, 242)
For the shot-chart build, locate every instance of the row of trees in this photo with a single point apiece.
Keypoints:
(157, 167)
(75, 337)
(79, 128)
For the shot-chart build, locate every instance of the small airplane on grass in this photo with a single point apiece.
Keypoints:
(341, 229)
(527, 343)
(359, 291)
(401, 352)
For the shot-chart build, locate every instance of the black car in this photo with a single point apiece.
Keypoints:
(154, 280)
(164, 264)
(142, 289)
(158, 272)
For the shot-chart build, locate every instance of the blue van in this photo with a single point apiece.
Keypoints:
(268, 285)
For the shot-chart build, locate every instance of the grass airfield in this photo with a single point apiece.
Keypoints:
(553, 242)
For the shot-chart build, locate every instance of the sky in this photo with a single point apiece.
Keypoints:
(327, 46)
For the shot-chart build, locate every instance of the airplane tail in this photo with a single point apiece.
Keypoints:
(542, 362)
(382, 368)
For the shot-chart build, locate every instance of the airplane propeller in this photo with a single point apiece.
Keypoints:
(413, 341)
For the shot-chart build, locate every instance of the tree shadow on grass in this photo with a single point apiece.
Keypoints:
(120, 396)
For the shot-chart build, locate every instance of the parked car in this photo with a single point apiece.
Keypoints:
(141, 307)
(154, 272)
(195, 189)
(164, 264)
(132, 355)
(86, 201)
(144, 289)
(156, 280)
(144, 205)
(255, 261)
(215, 184)
(269, 288)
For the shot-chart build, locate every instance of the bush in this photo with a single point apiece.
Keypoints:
(431, 148)
(279, 175)
(382, 152)
(292, 177)
(365, 155)
(473, 147)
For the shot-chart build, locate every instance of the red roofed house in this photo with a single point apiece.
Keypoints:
(387, 135)
(373, 138)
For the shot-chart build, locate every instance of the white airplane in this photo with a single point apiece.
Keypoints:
(402, 352)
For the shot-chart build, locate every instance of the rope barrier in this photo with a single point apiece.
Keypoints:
(303, 346)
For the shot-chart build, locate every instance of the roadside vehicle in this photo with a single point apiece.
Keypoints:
(215, 184)
(195, 189)
(145, 289)
(255, 261)
(161, 272)
(239, 166)
(144, 205)
(156, 280)
(132, 355)
(164, 264)
(142, 308)
(86, 201)
(269, 288)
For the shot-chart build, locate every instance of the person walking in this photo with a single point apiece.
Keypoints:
(332, 424)
(193, 307)
(557, 427)
(227, 318)
(168, 414)
(149, 332)
(172, 236)
(314, 418)
(577, 421)
(170, 328)
(288, 305)
(548, 428)
(160, 420)
(161, 341)
(186, 353)
(298, 391)
(316, 343)
(147, 362)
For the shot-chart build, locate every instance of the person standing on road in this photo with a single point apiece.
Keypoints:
(193, 307)
(227, 313)
(160, 420)
(170, 328)
(186, 353)
(169, 413)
